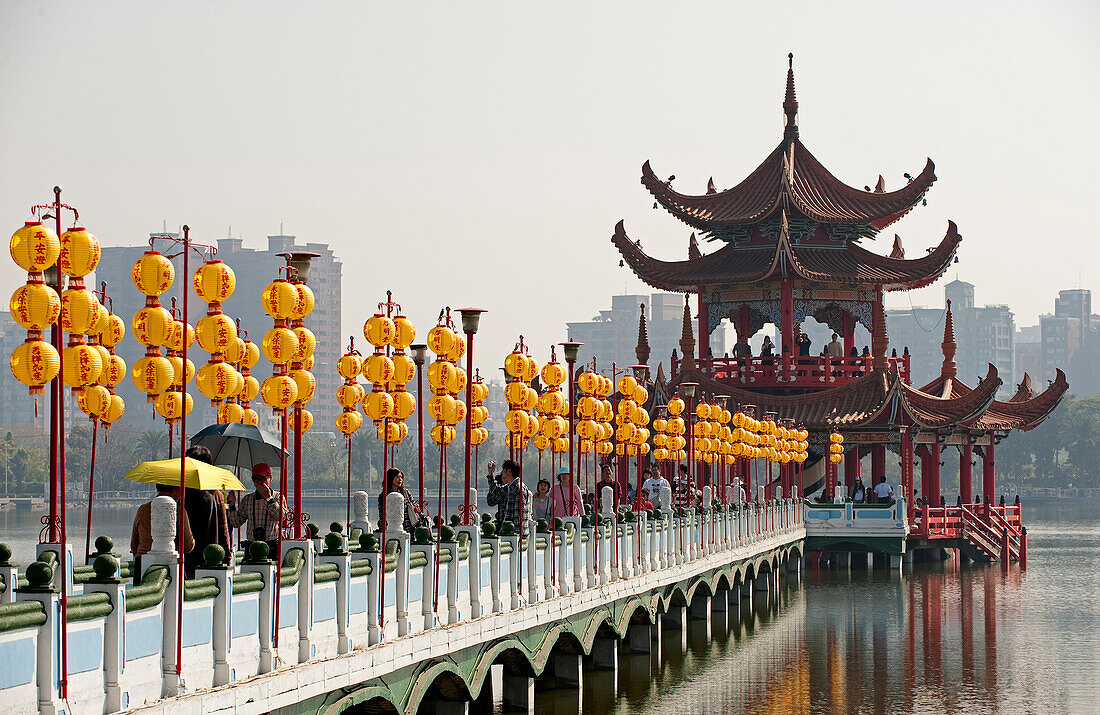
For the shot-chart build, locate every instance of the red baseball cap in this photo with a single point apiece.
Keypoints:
(260, 470)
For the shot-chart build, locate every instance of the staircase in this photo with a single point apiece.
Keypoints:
(983, 535)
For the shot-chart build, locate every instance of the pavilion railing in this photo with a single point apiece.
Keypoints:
(810, 371)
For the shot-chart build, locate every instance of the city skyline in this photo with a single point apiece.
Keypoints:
(427, 158)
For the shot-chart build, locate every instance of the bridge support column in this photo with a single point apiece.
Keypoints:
(675, 619)
(568, 670)
(266, 608)
(700, 608)
(605, 654)
(448, 707)
(895, 562)
(518, 693)
(640, 637)
(762, 582)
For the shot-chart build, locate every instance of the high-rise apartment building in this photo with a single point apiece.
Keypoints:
(254, 269)
(985, 335)
(1070, 340)
(612, 335)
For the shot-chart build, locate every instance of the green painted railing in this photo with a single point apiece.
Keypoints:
(151, 591)
(21, 614)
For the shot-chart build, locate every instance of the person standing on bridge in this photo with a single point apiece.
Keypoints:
(509, 495)
(395, 482)
(567, 495)
(262, 510)
(607, 479)
(141, 535)
(206, 514)
(542, 505)
(654, 485)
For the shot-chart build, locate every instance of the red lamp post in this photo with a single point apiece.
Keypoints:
(471, 319)
(572, 348)
(420, 355)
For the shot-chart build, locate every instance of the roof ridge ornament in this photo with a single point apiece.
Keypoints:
(790, 104)
(949, 369)
(687, 338)
(641, 351)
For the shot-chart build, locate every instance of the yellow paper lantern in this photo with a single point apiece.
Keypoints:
(404, 404)
(250, 389)
(304, 301)
(79, 310)
(251, 354)
(279, 345)
(588, 382)
(114, 330)
(214, 282)
(235, 351)
(152, 326)
(215, 332)
(441, 339)
(403, 332)
(307, 384)
(404, 369)
(114, 371)
(349, 366)
(153, 273)
(378, 368)
(478, 436)
(229, 413)
(307, 343)
(81, 365)
(35, 247)
(348, 422)
(152, 374)
(307, 420)
(553, 374)
(440, 374)
(35, 306)
(515, 364)
(279, 392)
(675, 406)
(349, 395)
(378, 405)
(114, 412)
(171, 405)
(278, 299)
(216, 380)
(458, 348)
(456, 382)
(96, 401)
(79, 252)
(250, 417)
(379, 330)
(627, 385)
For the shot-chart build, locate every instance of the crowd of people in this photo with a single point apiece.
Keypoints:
(859, 493)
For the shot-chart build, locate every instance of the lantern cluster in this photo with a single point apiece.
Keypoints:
(479, 392)
(153, 325)
(114, 372)
(595, 413)
(301, 360)
(350, 394)
(389, 404)
(218, 379)
(81, 312)
(280, 390)
(631, 420)
(522, 426)
(836, 447)
(242, 354)
(35, 306)
(669, 441)
(713, 438)
(553, 409)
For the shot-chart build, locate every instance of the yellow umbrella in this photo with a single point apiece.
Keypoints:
(199, 475)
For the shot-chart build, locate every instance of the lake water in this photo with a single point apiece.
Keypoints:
(939, 638)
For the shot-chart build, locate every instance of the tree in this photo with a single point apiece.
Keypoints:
(152, 445)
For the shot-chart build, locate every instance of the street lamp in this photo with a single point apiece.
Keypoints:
(471, 319)
(420, 355)
(689, 393)
(572, 348)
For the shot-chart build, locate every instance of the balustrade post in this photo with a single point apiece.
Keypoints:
(9, 573)
(113, 628)
(581, 570)
(549, 556)
(706, 524)
(374, 581)
(395, 532)
(473, 564)
(305, 595)
(564, 585)
(214, 567)
(667, 546)
(490, 537)
(513, 569)
(360, 512)
(451, 547)
(532, 548)
(427, 591)
(40, 587)
(162, 529)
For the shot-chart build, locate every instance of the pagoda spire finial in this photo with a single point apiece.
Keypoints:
(790, 103)
(641, 351)
(687, 339)
(949, 369)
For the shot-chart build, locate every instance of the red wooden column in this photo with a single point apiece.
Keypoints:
(851, 467)
(989, 487)
(743, 324)
(704, 334)
(849, 336)
(878, 463)
(934, 473)
(965, 473)
(790, 350)
(907, 472)
(925, 478)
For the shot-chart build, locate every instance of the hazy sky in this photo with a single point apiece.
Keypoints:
(481, 153)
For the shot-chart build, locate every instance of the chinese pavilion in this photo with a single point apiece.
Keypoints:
(790, 238)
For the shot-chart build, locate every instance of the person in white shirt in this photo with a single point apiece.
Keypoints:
(835, 348)
(883, 492)
(654, 484)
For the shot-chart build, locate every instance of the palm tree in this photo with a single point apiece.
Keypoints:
(152, 445)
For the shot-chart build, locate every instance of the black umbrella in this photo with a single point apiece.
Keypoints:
(239, 445)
